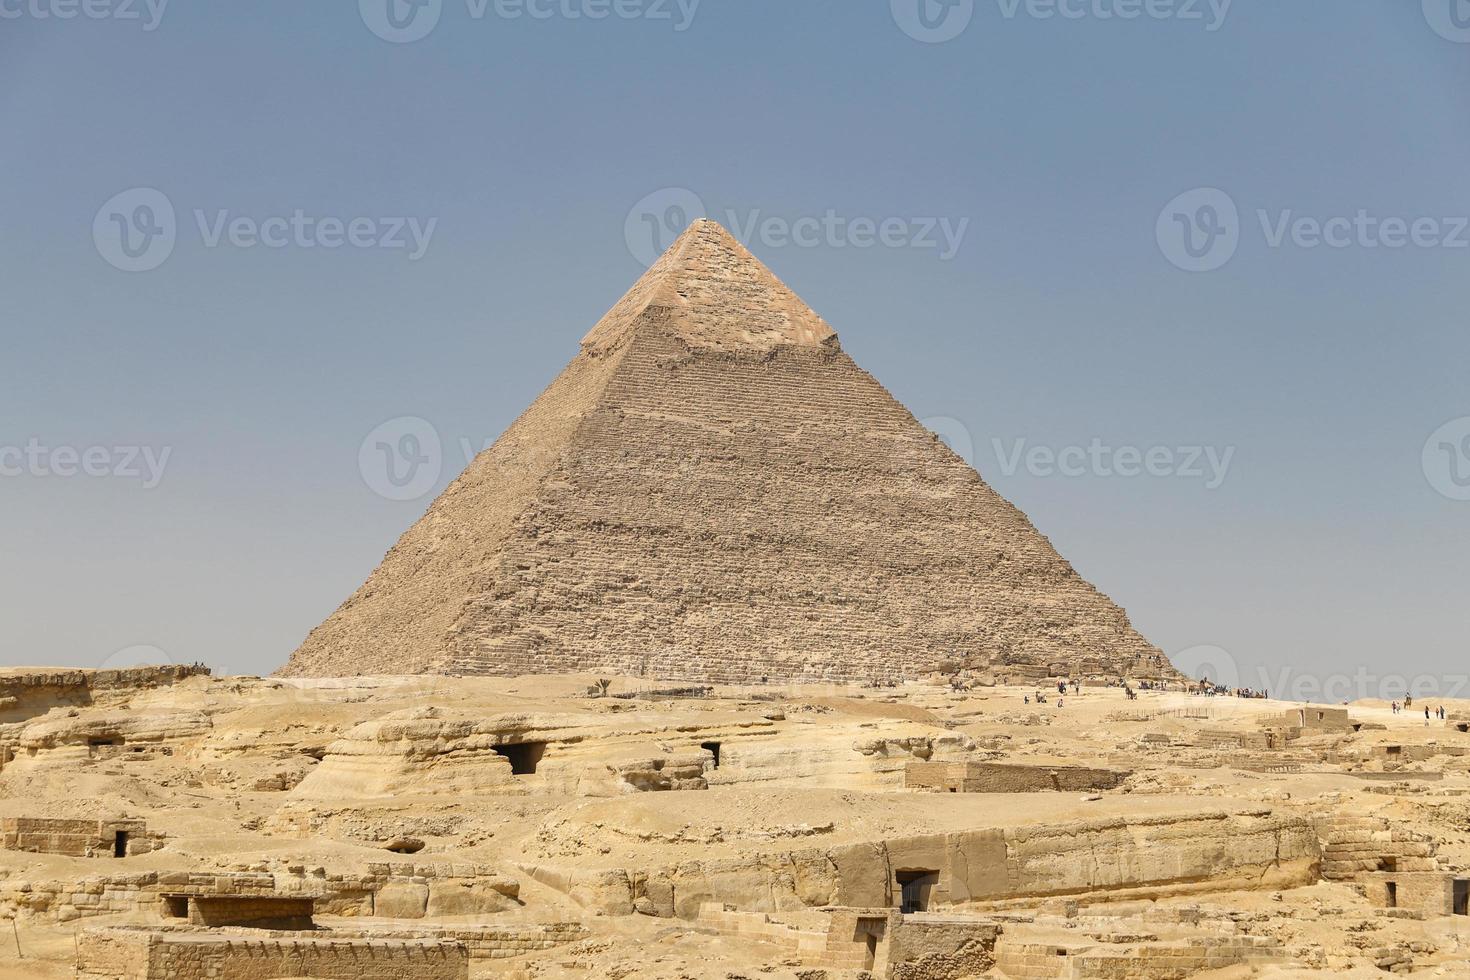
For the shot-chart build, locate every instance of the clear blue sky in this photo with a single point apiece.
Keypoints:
(1061, 317)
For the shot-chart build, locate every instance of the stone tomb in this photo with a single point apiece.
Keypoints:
(285, 912)
(74, 838)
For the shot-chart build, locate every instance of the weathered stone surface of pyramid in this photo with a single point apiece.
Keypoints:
(713, 491)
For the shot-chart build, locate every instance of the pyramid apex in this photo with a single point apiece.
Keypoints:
(717, 296)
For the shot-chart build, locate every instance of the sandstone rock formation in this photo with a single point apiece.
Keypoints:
(532, 829)
(712, 490)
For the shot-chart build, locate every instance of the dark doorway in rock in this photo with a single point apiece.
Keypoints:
(917, 888)
(524, 757)
(120, 844)
(714, 749)
(1393, 895)
(1462, 897)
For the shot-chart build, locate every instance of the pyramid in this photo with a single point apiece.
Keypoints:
(713, 491)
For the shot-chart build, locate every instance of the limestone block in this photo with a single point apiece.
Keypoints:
(401, 900)
(461, 897)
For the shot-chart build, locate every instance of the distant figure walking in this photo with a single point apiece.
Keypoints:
(1426, 716)
(1395, 707)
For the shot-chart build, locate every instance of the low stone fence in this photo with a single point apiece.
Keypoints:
(124, 954)
(497, 942)
(67, 901)
(1025, 958)
(1006, 777)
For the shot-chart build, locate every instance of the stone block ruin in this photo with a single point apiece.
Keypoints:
(76, 838)
(1000, 777)
(146, 954)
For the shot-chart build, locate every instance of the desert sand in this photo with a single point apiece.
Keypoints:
(392, 803)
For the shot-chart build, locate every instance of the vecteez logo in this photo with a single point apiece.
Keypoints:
(1199, 230)
(401, 21)
(40, 460)
(147, 13)
(938, 21)
(406, 21)
(142, 655)
(1450, 19)
(657, 219)
(402, 458)
(933, 21)
(1446, 459)
(135, 230)
(1208, 663)
(138, 229)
